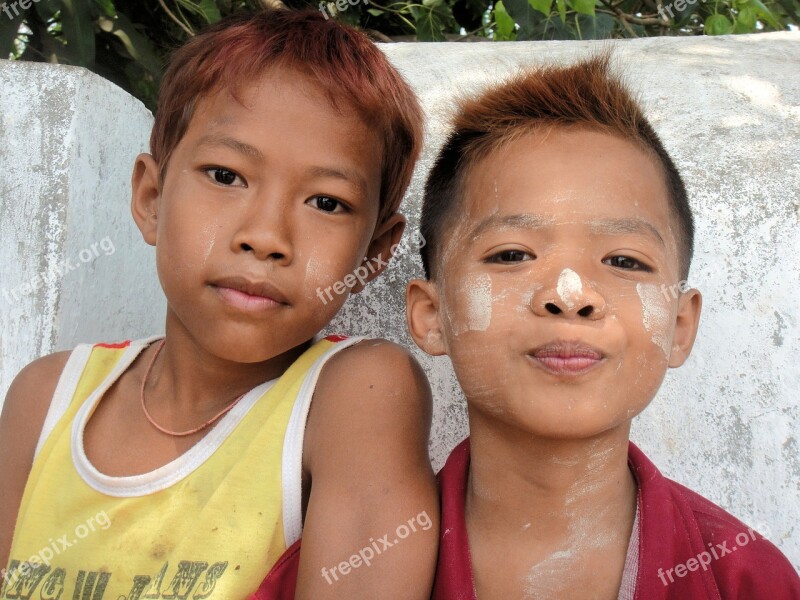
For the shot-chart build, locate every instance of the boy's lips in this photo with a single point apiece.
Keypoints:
(562, 357)
(249, 294)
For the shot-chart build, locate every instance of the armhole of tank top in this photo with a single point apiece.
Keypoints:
(292, 459)
(65, 391)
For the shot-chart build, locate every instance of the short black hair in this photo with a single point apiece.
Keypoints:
(583, 94)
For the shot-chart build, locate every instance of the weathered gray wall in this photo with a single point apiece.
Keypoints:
(726, 424)
(67, 143)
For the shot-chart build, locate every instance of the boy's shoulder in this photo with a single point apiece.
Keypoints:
(688, 544)
(30, 392)
(369, 376)
(370, 356)
(375, 384)
(743, 561)
(24, 412)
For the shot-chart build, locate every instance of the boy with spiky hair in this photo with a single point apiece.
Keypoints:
(553, 215)
(281, 149)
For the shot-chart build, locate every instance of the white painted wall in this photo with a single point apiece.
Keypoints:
(67, 143)
(727, 424)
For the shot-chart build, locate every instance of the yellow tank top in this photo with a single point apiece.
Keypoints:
(209, 524)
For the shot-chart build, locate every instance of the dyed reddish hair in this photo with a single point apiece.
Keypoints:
(585, 94)
(343, 61)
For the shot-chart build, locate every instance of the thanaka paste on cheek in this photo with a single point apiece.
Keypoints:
(315, 276)
(478, 292)
(212, 239)
(526, 299)
(655, 315)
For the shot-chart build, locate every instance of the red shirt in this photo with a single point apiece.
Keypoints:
(688, 546)
(281, 581)
(680, 533)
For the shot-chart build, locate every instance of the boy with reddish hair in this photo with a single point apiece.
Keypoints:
(553, 216)
(281, 149)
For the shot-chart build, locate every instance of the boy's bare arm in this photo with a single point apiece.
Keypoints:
(24, 411)
(372, 523)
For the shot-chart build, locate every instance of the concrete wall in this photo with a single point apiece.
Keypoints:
(726, 424)
(73, 267)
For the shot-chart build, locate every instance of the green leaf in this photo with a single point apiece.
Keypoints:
(562, 10)
(717, 25)
(746, 20)
(375, 12)
(205, 9)
(525, 16)
(584, 7)
(428, 20)
(554, 29)
(504, 31)
(599, 27)
(8, 33)
(106, 7)
(137, 45)
(46, 9)
(766, 14)
(543, 6)
(78, 30)
(792, 8)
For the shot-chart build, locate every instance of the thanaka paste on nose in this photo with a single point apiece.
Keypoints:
(569, 287)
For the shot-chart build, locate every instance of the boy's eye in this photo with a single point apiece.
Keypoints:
(510, 256)
(327, 204)
(627, 263)
(222, 176)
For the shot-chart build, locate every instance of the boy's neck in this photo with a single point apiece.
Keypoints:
(562, 504)
(191, 378)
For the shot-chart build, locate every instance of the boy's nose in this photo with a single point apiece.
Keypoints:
(569, 296)
(265, 234)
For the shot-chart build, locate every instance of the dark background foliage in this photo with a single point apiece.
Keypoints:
(126, 41)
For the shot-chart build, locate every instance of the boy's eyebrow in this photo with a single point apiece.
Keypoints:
(348, 175)
(519, 221)
(216, 139)
(601, 226)
(626, 225)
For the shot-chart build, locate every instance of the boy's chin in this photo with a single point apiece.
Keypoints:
(561, 420)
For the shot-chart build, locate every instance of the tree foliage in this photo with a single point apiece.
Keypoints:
(126, 41)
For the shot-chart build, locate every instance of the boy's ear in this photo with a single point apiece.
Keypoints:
(686, 323)
(422, 314)
(145, 192)
(381, 248)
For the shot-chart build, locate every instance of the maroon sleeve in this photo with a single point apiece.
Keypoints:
(755, 570)
(744, 563)
(281, 581)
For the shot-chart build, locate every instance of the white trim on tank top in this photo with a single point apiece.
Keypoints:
(171, 473)
(167, 475)
(292, 456)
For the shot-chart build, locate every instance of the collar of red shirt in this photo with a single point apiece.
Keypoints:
(678, 530)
